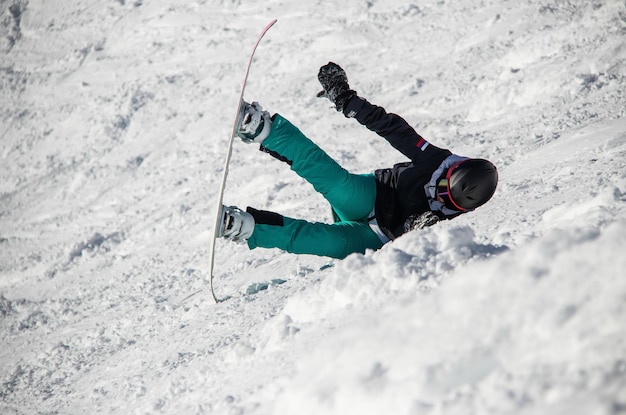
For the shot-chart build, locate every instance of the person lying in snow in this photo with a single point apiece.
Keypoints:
(369, 209)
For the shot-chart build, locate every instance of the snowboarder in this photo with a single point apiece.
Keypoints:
(369, 209)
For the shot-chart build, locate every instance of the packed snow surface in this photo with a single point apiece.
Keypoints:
(114, 120)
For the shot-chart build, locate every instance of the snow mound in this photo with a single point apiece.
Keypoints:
(496, 337)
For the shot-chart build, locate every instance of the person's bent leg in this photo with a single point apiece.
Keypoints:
(351, 195)
(296, 236)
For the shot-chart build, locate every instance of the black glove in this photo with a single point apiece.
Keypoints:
(335, 83)
(420, 221)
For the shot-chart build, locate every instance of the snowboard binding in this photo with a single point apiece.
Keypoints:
(235, 224)
(253, 124)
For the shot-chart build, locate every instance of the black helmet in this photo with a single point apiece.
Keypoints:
(468, 184)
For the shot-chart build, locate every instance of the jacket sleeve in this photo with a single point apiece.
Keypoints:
(392, 128)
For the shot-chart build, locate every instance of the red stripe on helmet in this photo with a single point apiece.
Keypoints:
(448, 175)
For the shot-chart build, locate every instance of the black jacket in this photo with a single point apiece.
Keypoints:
(400, 190)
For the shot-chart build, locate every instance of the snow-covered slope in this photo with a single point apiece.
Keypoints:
(114, 118)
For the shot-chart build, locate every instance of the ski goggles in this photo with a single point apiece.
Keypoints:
(443, 189)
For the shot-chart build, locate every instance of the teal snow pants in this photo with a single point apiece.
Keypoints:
(351, 197)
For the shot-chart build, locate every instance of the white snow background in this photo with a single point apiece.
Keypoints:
(114, 119)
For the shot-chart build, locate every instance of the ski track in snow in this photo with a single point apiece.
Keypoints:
(114, 119)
